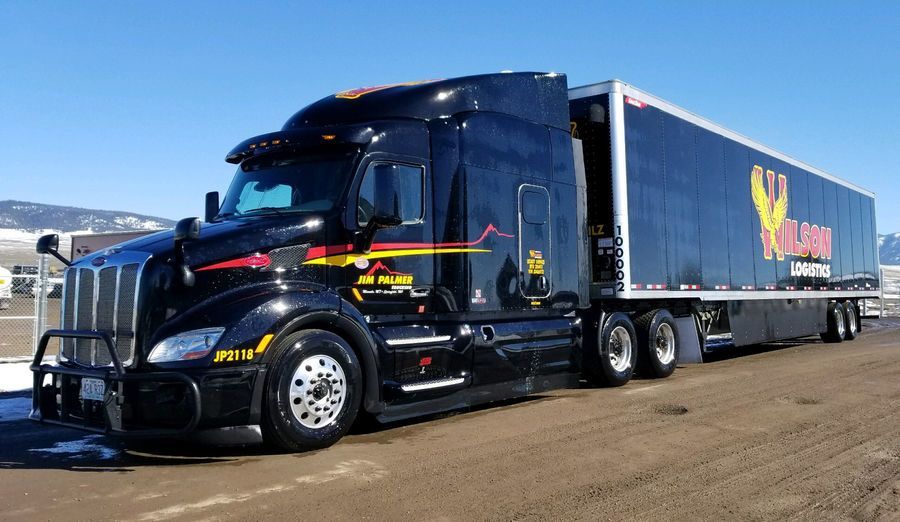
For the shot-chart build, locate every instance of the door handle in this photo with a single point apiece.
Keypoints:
(419, 292)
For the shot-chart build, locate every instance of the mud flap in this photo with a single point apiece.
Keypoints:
(689, 344)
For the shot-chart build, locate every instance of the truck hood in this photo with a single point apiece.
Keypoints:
(227, 239)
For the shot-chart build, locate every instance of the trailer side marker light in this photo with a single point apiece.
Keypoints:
(264, 343)
(424, 361)
(357, 295)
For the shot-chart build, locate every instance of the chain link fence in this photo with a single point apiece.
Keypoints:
(29, 305)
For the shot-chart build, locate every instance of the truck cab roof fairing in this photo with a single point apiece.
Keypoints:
(531, 96)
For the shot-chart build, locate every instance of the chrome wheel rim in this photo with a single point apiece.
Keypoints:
(317, 391)
(665, 343)
(619, 349)
(851, 320)
(839, 320)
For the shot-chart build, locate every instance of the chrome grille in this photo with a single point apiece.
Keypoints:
(102, 299)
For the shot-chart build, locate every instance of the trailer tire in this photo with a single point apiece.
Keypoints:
(658, 343)
(836, 324)
(851, 321)
(612, 362)
(313, 391)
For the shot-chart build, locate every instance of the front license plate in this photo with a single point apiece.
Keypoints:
(92, 389)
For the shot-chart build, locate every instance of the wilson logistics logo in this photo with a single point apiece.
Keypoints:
(782, 235)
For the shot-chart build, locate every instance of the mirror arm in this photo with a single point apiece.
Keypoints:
(367, 237)
(59, 256)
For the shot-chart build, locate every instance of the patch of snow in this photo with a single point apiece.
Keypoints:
(15, 376)
(82, 448)
(16, 408)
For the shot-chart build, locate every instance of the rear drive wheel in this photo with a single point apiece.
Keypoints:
(313, 391)
(851, 317)
(658, 342)
(612, 364)
(836, 324)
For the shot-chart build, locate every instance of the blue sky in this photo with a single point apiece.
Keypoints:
(132, 106)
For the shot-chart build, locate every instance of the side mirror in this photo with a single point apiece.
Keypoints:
(386, 203)
(212, 206)
(49, 244)
(188, 229)
(387, 192)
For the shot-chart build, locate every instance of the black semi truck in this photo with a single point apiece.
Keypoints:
(406, 249)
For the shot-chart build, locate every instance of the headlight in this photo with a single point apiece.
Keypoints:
(186, 346)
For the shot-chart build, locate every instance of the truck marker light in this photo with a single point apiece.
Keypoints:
(264, 343)
(424, 361)
(421, 309)
(328, 137)
(251, 261)
(637, 103)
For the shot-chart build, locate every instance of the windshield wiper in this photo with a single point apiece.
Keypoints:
(276, 210)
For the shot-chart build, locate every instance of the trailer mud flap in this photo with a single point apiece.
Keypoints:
(689, 351)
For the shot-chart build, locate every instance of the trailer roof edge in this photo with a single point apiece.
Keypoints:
(619, 86)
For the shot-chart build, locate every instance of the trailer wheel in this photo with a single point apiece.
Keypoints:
(313, 391)
(613, 362)
(658, 343)
(836, 324)
(851, 318)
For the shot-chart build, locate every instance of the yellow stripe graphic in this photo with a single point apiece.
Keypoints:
(349, 259)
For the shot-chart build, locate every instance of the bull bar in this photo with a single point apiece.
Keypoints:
(113, 397)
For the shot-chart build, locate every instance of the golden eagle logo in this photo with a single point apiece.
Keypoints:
(772, 211)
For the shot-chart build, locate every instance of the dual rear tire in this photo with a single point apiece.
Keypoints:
(842, 322)
(650, 344)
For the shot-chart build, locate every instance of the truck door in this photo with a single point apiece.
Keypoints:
(534, 241)
(397, 276)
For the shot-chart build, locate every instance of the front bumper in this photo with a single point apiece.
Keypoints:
(151, 404)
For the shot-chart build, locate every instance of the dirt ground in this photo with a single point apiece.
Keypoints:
(808, 431)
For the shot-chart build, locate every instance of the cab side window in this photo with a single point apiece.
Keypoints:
(410, 194)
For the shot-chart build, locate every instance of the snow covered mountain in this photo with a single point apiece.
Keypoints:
(22, 223)
(32, 217)
(889, 249)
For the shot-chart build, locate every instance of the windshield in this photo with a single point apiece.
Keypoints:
(277, 183)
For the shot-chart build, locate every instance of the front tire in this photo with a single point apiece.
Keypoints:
(658, 343)
(313, 391)
(612, 363)
(851, 321)
(836, 324)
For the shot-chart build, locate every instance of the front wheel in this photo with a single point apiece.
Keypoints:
(313, 391)
(612, 363)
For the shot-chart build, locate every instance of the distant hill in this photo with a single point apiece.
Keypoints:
(889, 249)
(33, 217)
